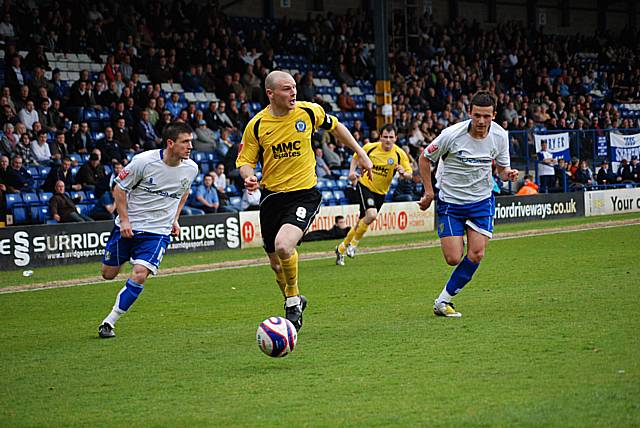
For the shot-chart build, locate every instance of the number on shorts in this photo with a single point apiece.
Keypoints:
(301, 212)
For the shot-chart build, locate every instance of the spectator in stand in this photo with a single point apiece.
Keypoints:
(46, 118)
(24, 150)
(625, 172)
(206, 140)
(174, 105)
(307, 89)
(563, 175)
(62, 173)
(81, 97)
(345, 100)
(63, 208)
(635, 168)
(154, 117)
(59, 149)
(165, 119)
(546, 171)
(28, 115)
(220, 182)
(223, 117)
(6, 175)
(9, 140)
(91, 173)
(24, 95)
(110, 150)
(14, 75)
(206, 197)
(122, 135)
(19, 178)
(146, 134)
(41, 150)
(528, 187)
(584, 176)
(606, 176)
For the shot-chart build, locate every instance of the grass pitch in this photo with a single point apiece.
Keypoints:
(549, 337)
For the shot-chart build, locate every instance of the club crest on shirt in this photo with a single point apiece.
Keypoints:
(300, 126)
(390, 161)
(432, 148)
(184, 183)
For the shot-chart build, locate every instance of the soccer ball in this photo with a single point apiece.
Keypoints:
(276, 336)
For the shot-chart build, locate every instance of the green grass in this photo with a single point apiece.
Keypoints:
(548, 338)
(86, 270)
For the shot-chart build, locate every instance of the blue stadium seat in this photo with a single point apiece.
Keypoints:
(34, 171)
(45, 197)
(90, 195)
(44, 170)
(232, 190)
(30, 198)
(108, 170)
(13, 200)
(199, 179)
(328, 198)
(205, 168)
(340, 197)
(39, 214)
(79, 194)
(74, 170)
(85, 208)
(75, 157)
(199, 157)
(20, 215)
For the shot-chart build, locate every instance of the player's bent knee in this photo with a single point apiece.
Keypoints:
(109, 272)
(140, 274)
(453, 259)
(475, 256)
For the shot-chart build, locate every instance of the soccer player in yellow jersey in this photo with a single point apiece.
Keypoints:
(279, 137)
(387, 159)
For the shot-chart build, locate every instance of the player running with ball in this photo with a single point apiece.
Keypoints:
(279, 138)
(465, 200)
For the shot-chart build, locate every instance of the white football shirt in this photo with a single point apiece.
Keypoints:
(154, 190)
(464, 172)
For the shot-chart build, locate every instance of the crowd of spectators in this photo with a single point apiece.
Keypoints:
(541, 81)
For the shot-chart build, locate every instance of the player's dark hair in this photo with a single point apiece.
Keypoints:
(484, 99)
(338, 218)
(389, 128)
(172, 130)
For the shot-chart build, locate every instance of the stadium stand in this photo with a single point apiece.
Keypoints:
(106, 73)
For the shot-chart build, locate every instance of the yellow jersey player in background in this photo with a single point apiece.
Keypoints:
(279, 137)
(387, 159)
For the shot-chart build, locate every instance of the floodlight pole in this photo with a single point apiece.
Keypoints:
(384, 107)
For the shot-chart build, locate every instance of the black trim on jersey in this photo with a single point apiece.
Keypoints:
(312, 117)
(371, 149)
(256, 129)
(327, 122)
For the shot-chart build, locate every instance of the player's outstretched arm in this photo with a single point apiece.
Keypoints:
(249, 175)
(342, 133)
(425, 174)
(120, 196)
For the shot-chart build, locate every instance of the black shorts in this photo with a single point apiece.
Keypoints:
(368, 199)
(298, 208)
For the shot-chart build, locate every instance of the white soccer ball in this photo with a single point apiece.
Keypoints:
(276, 336)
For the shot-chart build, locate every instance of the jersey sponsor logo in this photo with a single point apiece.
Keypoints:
(301, 126)
(380, 170)
(286, 150)
(123, 174)
(432, 148)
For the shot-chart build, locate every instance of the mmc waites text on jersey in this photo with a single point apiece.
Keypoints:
(286, 150)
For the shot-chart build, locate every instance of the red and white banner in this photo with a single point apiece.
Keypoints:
(394, 217)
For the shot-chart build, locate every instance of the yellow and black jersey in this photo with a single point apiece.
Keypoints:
(384, 166)
(283, 146)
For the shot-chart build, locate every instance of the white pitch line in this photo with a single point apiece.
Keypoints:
(534, 233)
